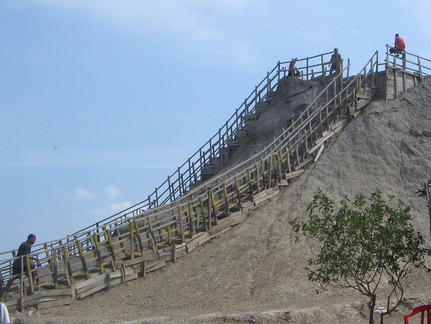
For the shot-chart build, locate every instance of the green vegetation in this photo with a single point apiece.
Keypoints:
(368, 245)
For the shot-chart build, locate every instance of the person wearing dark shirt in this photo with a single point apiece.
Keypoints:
(24, 249)
(335, 61)
(293, 70)
(400, 45)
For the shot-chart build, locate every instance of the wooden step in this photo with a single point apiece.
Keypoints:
(261, 107)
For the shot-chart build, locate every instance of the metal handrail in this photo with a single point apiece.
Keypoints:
(216, 184)
(178, 183)
(363, 79)
(409, 62)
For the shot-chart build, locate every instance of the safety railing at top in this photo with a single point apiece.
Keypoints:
(363, 79)
(366, 78)
(188, 174)
(409, 62)
(194, 209)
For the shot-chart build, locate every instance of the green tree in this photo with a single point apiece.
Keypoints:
(367, 244)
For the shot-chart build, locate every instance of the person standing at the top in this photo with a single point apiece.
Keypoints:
(293, 70)
(24, 249)
(335, 61)
(400, 45)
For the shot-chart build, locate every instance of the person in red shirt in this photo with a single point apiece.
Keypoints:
(400, 45)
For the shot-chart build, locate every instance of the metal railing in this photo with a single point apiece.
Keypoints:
(148, 231)
(409, 62)
(189, 173)
(199, 209)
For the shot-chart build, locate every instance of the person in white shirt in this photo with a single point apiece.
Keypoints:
(4, 314)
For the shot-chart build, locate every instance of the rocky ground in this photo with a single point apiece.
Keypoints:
(255, 272)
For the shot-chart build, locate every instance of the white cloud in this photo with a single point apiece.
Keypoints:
(117, 207)
(184, 22)
(82, 194)
(110, 210)
(112, 192)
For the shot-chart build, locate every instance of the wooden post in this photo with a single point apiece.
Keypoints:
(238, 191)
(151, 236)
(82, 257)
(192, 224)
(181, 224)
(132, 241)
(55, 268)
(138, 237)
(97, 252)
(21, 285)
(209, 200)
(225, 196)
(202, 208)
(30, 273)
(67, 267)
(170, 235)
(110, 246)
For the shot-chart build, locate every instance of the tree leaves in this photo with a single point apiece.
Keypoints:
(366, 240)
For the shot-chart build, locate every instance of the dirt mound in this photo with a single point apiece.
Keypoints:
(255, 272)
(290, 99)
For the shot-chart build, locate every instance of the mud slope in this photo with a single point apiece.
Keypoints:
(255, 273)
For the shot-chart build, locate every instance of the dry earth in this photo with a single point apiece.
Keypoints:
(255, 272)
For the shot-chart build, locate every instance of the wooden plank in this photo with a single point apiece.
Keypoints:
(156, 266)
(260, 195)
(247, 206)
(56, 292)
(90, 291)
(180, 251)
(222, 232)
(92, 287)
(269, 193)
(283, 183)
(57, 302)
(294, 174)
(119, 281)
(29, 301)
(132, 277)
(302, 164)
(116, 282)
(237, 218)
(199, 239)
(134, 261)
(95, 280)
(115, 274)
(219, 228)
(319, 153)
(362, 103)
(321, 141)
(339, 125)
(363, 96)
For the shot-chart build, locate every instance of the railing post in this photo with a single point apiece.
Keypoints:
(419, 67)
(268, 83)
(278, 71)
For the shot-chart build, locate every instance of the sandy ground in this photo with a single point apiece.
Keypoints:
(255, 272)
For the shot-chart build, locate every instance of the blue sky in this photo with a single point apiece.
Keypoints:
(100, 100)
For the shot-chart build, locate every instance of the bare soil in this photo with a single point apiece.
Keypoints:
(255, 272)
